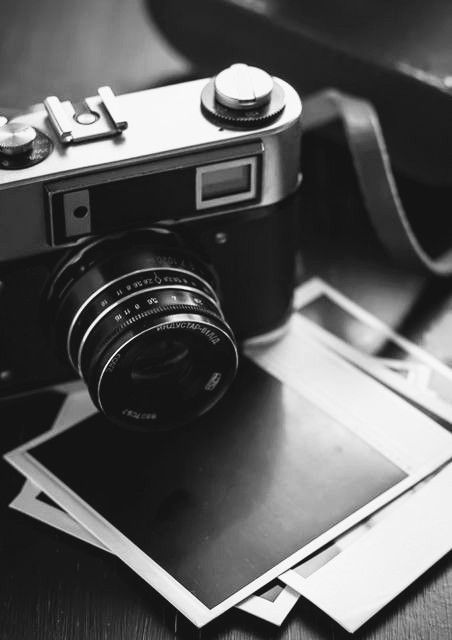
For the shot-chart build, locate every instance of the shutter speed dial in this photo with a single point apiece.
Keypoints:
(242, 97)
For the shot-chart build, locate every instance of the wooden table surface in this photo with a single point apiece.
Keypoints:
(53, 587)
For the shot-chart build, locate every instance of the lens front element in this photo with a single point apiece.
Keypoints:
(169, 372)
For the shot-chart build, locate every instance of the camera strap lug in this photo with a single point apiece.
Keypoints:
(91, 119)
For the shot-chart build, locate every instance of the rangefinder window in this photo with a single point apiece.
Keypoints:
(226, 183)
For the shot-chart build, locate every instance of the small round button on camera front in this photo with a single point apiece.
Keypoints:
(3, 120)
(243, 87)
(16, 138)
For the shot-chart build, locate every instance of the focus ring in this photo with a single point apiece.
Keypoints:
(113, 322)
(93, 314)
(132, 322)
(74, 310)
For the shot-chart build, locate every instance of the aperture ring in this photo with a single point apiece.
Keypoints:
(112, 292)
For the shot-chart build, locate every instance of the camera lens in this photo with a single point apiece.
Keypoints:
(139, 318)
(162, 360)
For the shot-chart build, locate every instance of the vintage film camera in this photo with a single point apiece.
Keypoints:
(142, 235)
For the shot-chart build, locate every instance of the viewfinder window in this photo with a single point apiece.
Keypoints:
(226, 183)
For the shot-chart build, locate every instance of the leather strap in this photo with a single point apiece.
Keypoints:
(376, 179)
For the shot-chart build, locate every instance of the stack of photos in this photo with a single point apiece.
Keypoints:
(323, 473)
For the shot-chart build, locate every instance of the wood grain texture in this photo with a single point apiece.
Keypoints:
(53, 587)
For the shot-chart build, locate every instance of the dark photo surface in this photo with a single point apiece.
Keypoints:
(332, 317)
(222, 502)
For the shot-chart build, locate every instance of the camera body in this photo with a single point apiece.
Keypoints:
(221, 175)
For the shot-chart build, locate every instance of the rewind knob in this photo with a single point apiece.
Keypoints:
(16, 138)
(243, 87)
(243, 96)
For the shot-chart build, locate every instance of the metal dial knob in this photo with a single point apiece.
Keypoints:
(16, 138)
(243, 87)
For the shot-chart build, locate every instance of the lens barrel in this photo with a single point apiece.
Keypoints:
(139, 319)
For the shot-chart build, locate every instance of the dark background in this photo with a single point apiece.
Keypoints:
(54, 587)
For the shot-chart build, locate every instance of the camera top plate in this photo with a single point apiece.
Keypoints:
(161, 122)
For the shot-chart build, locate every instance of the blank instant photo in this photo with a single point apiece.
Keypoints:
(369, 344)
(275, 601)
(210, 514)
